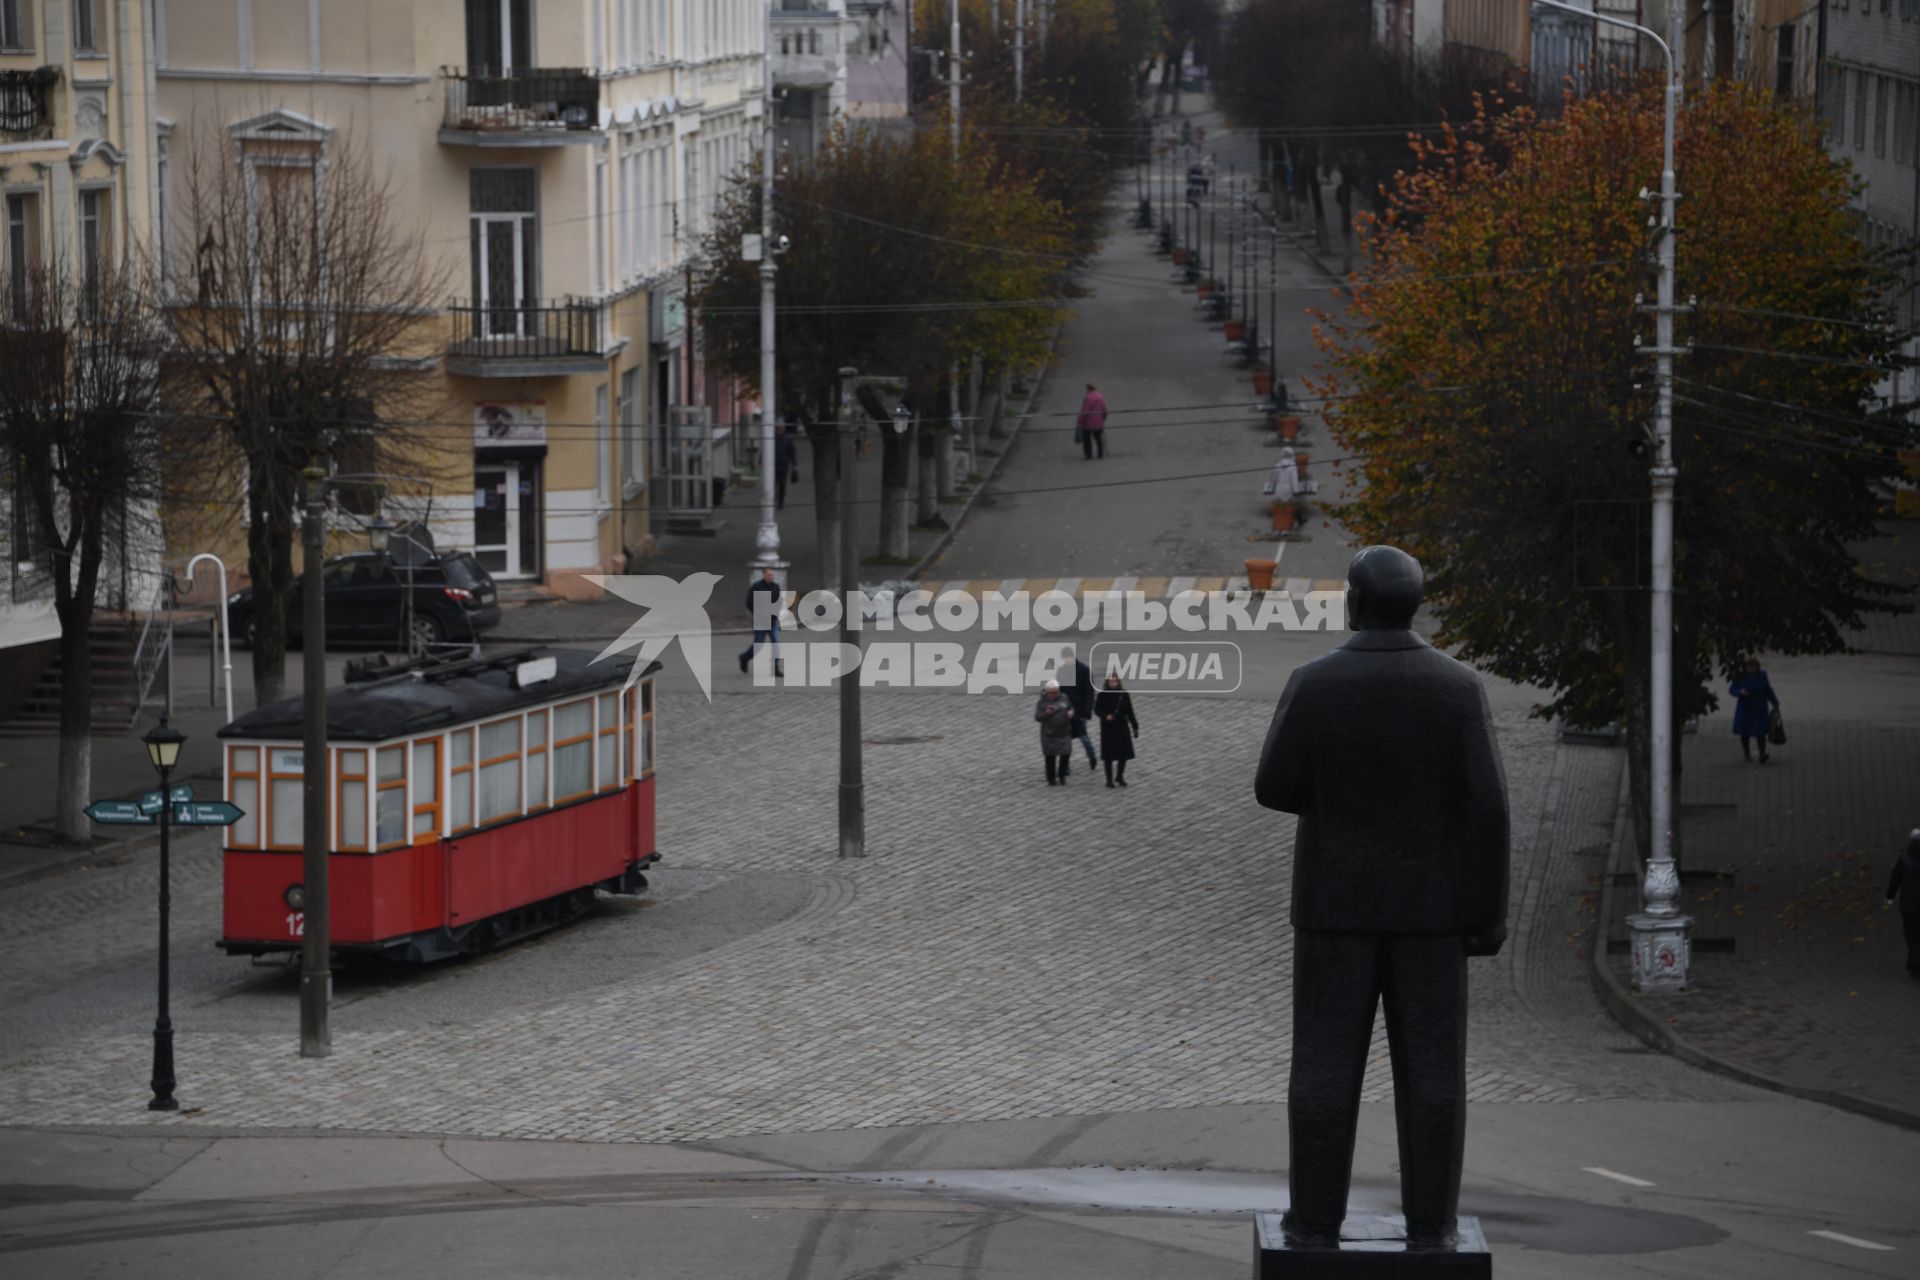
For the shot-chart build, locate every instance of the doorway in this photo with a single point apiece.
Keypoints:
(506, 518)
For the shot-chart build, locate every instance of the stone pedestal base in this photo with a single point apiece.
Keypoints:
(1370, 1247)
(1662, 951)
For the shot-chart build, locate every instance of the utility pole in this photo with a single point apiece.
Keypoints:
(1661, 935)
(853, 805)
(1019, 48)
(767, 540)
(953, 126)
(316, 956)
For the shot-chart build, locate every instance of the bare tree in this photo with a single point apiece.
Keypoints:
(79, 361)
(304, 328)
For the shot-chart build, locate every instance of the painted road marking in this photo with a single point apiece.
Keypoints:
(1180, 586)
(1627, 1178)
(1010, 585)
(1855, 1241)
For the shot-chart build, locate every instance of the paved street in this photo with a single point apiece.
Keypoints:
(1036, 1032)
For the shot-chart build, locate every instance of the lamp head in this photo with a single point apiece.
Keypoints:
(379, 532)
(163, 746)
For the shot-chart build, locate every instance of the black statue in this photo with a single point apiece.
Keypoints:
(1385, 750)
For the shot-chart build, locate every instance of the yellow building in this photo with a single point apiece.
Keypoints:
(563, 157)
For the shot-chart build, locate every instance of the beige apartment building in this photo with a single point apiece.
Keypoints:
(564, 156)
(77, 189)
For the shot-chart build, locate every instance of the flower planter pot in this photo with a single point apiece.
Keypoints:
(1262, 384)
(1260, 574)
(1179, 257)
(1300, 464)
(1205, 290)
(1285, 516)
(1289, 427)
(1236, 330)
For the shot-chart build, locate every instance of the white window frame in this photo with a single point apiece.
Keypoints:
(603, 429)
(633, 432)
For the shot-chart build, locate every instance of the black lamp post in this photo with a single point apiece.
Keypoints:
(163, 749)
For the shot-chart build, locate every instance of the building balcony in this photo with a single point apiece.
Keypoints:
(528, 340)
(26, 102)
(809, 46)
(535, 107)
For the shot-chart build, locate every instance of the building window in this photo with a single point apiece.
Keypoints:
(96, 233)
(23, 249)
(16, 24)
(603, 447)
(87, 27)
(504, 249)
(1783, 66)
(499, 36)
(1859, 110)
(1880, 115)
(633, 433)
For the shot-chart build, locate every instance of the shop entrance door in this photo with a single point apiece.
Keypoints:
(506, 518)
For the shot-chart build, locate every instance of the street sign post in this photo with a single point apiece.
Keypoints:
(206, 813)
(150, 802)
(121, 813)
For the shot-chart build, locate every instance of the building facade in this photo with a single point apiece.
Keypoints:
(564, 157)
(809, 42)
(78, 190)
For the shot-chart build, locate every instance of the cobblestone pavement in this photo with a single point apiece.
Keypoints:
(1813, 992)
(1005, 951)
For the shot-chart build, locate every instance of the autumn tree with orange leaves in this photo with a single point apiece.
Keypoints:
(1485, 380)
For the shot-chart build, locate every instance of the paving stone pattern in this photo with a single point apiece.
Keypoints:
(1008, 950)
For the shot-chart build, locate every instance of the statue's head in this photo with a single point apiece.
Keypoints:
(1383, 589)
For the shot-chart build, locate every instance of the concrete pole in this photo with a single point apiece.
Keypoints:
(316, 956)
(767, 540)
(947, 486)
(1019, 48)
(853, 807)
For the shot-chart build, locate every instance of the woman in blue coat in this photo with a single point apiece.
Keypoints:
(1751, 716)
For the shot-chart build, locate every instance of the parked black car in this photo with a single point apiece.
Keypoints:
(454, 600)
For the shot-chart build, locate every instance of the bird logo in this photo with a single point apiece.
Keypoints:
(673, 609)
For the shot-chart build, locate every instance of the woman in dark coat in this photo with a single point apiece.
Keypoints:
(1751, 718)
(1057, 732)
(1118, 727)
(1903, 891)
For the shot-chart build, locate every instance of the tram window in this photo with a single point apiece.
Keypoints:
(353, 800)
(285, 787)
(426, 788)
(626, 739)
(390, 807)
(609, 754)
(537, 759)
(243, 787)
(460, 788)
(646, 728)
(500, 769)
(572, 751)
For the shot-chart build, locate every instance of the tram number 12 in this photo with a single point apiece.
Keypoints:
(296, 924)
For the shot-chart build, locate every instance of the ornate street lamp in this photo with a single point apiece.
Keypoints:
(163, 749)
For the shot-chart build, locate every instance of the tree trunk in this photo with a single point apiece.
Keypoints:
(1344, 196)
(994, 411)
(927, 511)
(896, 492)
(270, 536)
(74, 776)
(1319, 202)
(826, 499)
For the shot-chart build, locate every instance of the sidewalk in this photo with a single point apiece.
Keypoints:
(1797, 977)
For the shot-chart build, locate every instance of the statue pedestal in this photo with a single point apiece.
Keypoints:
(1370, 1246)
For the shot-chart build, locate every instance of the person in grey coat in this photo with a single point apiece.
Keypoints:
(1057, 731)
(1385, 749)
(1903, 888)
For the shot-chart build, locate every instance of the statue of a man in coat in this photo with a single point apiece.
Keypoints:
(1385, 749)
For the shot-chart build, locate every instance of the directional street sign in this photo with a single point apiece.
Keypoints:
(119, 813)
(206, 813)
(152, 800)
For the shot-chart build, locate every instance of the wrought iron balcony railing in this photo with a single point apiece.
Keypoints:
(572, 327)
(24, 100)
(537, 99)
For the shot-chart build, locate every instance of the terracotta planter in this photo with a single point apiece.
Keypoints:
(1236, 330)
(1300, 464)
(1262, 384)
(1289, 427)
(1179, 257)
(1260, 574)
(1285, 516)
(1205, 290)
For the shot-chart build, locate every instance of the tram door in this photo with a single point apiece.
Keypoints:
(506, 518)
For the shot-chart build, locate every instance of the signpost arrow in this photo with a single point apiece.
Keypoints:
(206, 813)
(151, 802)
(121, 813)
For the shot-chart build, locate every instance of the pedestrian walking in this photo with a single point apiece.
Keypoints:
(763, 606)
(786, 463)
(1903, 890)
(1056, 717)
(1755, 709)
(1118, 728)
(1080, 694)
(1090, 428)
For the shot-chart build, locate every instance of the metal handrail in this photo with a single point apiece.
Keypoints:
(151, 649)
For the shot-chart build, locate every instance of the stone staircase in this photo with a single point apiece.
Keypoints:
(116, 690)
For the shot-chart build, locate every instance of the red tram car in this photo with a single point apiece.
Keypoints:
(469, 803)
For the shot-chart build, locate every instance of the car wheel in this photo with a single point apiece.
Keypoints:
(427, 632)
(250, 634)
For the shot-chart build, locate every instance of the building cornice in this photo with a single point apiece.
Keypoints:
(288, 77)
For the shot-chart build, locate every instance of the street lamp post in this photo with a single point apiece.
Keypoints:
(316, 957)
(1661, 935)
(853, 805)
(163, 750)
(767, 540)
(226, 630)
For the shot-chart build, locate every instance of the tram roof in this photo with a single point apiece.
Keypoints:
(424, 698)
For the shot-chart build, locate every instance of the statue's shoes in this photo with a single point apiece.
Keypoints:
(1432, 1240)
(1310, 1235)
